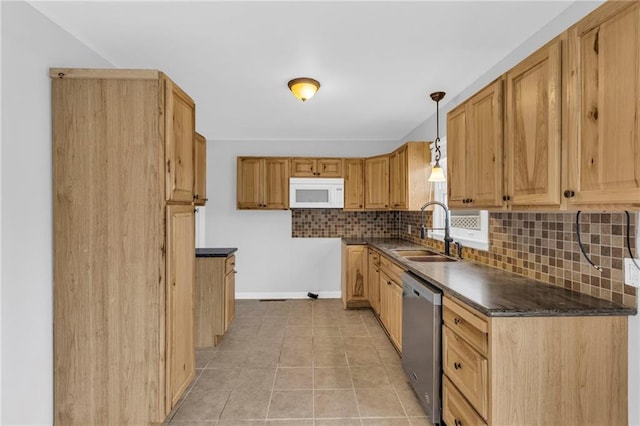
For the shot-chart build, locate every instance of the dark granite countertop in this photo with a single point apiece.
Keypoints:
(494, 292)
(215, 252)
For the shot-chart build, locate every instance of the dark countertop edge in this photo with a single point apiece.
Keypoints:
(215, 252)
(619, 310)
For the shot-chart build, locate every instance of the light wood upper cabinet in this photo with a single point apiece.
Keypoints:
(376, 183)
(409, 168)
(603, 102)
(354, 184)
(200, 172)
(180, 362)
(477, 156)
(316, 167)
(263, 183)
(355, 292)
(179, 138)
(533, 129)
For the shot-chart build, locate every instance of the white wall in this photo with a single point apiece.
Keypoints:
(30, 45)
(270, 263)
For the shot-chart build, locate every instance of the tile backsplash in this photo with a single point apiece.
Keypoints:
(542, 246)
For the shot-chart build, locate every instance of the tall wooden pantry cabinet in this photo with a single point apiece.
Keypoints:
(124, 262)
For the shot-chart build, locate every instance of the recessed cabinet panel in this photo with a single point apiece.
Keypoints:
(604, 132)
(532, 142)
(376, 183)
(354, 184)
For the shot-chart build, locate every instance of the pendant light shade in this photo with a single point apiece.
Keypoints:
(304, 88)
(437, 174)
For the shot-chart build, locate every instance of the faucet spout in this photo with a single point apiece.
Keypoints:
(447, 226)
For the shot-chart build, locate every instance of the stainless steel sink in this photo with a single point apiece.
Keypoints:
(422, 256)
(406, 253)
(429, 258)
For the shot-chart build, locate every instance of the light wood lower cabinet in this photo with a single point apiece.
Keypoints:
(391, 300)
(373, 279)
(533, 370)
(215, 298)
(355, 291)
(180, 353)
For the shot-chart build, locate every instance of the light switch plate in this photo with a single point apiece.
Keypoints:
(631, 272)
(409, 229)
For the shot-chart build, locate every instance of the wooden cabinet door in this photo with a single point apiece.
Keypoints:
(180, 345)
(373, 279)
(385, 288)
(229, 298)
(200, 170)
(303, 167)
(250, 184)
(329, 167)
(354, 184)
(276, 183)
(532, 143)
(457, 157)
(484, 146)
(398, 178)
(376, 183)
(604, 107)
(357, 289)
(180, 112)
(394, 308)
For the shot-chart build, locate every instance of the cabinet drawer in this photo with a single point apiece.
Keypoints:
(466, 368)
(467, 324)
(393, 270)
(455, 409)
(229, 264)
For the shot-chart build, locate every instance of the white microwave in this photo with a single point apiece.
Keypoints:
(316, 193)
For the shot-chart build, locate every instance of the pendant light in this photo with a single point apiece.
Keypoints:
(437, 174)
(303, 88)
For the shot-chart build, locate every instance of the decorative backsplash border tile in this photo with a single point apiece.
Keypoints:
(542, 246)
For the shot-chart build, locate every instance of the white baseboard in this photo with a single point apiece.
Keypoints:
(289, 295)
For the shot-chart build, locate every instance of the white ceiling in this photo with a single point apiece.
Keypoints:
(376, 61)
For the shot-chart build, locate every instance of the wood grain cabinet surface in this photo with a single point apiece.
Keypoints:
(376, 183)
(533, 370)
(123, 255)
(215, 299)
(316, 167)
(391, 300)
(603, 103)
(409, 168)
(200, 170)
(355, 291)
(533, 129)
(354, 184)
(263, 183)
(474, 146)
(373, 279)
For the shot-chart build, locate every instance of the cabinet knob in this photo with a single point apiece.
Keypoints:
(196, 196)
(569, 193)
(506, 198)
(457, 365)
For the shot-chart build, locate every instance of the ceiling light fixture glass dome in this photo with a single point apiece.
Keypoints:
(304, 88)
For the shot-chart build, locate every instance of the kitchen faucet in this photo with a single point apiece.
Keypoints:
(447, 236)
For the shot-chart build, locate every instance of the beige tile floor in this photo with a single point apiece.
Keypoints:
(300, 362)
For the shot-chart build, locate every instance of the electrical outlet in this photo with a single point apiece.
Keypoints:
(631, 273)
(409, 229)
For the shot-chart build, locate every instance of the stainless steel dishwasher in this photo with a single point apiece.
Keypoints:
(421, 341)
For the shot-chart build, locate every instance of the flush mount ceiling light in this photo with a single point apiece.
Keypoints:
(304, 88)
(437, 175)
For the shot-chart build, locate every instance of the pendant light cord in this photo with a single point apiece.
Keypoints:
(580, 243)
(629, 239)
(437, 131)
